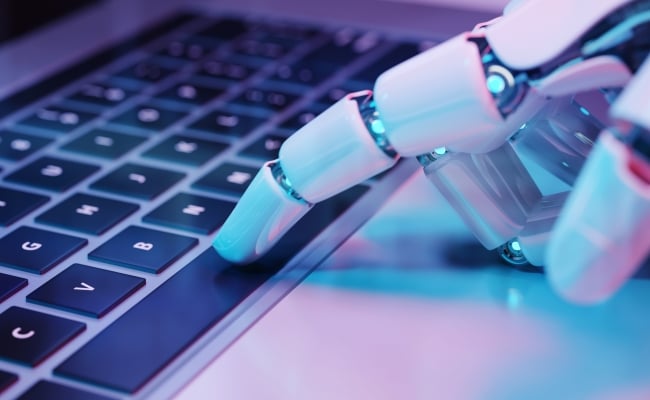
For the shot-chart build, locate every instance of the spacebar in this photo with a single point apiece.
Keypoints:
(139, 344)
(145, 339)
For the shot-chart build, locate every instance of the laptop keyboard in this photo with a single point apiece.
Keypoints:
(116, 172)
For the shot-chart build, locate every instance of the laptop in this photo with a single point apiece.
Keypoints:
(129, 130)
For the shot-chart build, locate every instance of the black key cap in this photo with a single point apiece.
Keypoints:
(15, 204)
(227, 178)
(186, 150)
(325, 61)
(297, 121)
(45, 390)
(189, 49)
(36, 250)
(52, 174)
(266, 148)
(264, 46)
(344, 47)
(86, 290)
(101, 94)
(147, 116)
(287, 31)
(226, 29)
(103, 143)
(88, 214)
(227, 123)
(138, 181)
(176, 316)
(7, 379)
(57, 119)
(268, 99)
(304, 73)
(145, 72)
(190, 93)
(29, 337)
(229, 71)
(16, 146)
(192, 213)
(144, 249)
(9, 285)
(400, 53)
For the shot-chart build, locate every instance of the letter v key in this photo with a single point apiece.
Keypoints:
(84, 287)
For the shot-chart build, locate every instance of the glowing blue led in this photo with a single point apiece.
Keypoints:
(495, 84)
(487, 58)
(584, 111)
(377, 126)
(440, 150)
(515, 245)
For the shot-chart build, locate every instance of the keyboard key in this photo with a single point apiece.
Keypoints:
(186, 150)
(229, 71)
(7, 379)
(147, 116)
(52, 174)
(188, 49)
(15, 204)
(281, 30)
(101, 94)
(192, 213)
(343, 48)
(227, 123)
(29, 337)
(226, 29)
(45, 390)
(170, 314)
(104, 144)
(265, 148)
(264, 46)
(9, 285)
(326, 60)
(298, 120)
(190, 93)
(16, 146)
(268, 99)
(144, 249)
(395, 56)
(139, 181)
(88, 214)
(303, 72)
(227, 178)
(86, 290)
(145, 72)
(58, 119)
(36, 250)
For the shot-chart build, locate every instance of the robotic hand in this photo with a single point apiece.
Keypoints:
(471, 110)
